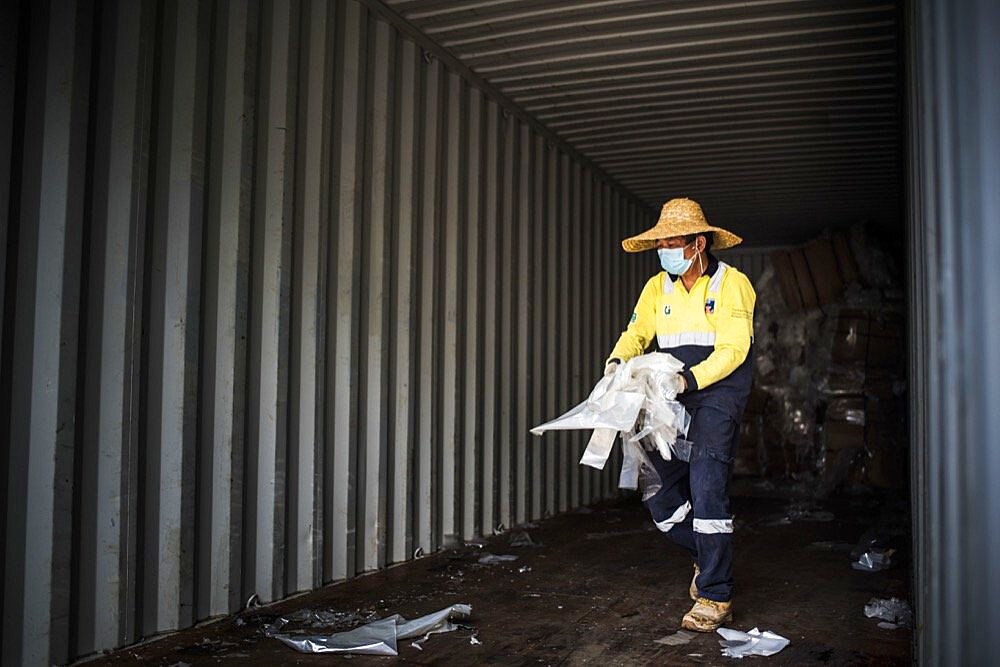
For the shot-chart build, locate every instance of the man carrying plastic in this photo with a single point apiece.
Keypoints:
(701, 311)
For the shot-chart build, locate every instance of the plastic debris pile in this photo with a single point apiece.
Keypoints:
(639, 401)
(828, 405)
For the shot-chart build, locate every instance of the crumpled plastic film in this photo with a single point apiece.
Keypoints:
(736, 644)
(638, 472)
(892, 610)
(375, 638)
(639, 401)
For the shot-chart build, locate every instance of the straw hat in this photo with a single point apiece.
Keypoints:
(680, 217)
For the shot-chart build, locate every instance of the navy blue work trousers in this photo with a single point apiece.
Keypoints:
(692, 507)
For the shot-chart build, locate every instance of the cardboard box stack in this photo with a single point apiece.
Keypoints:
(829, 348)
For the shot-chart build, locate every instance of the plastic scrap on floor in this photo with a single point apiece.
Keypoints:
(894, 611)
(874, 560)
(523, 539)
(493, 559)
(378, 637)
(677, 639)
(737, 644)
(638, 401)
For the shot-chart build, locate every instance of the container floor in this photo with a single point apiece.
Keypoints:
(602, 587)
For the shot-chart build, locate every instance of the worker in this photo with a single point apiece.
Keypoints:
(700, 310)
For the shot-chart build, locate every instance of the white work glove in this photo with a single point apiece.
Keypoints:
(611, 367)
(679, 383)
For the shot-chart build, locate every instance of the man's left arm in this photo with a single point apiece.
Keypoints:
(733, 334)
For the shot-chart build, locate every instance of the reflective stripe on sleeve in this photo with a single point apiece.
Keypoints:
(712, 526)
(679, 514)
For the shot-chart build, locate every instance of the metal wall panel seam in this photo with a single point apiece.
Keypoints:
(523, 278)
(134, 403)
(10, 24)
(505, 350)
(39, 373)
(452, 380)
(226, 230)
(340, 488)
(539, 448)
(98, 615)
(404, 286)
(551, 304)
(431, 146)
(563, 333)
(917, 336)
(588, 353)
(310, 210)
(173, 273)
(372, 434)
(576, 339)
(570, 235)
(268, 329)
(488, 338)
(477, 208)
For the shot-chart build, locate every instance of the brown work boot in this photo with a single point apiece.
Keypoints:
(693, 590)
(707, 615)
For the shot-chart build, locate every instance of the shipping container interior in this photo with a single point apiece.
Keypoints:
(286, 283)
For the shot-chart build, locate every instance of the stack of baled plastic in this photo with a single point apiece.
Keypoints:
(827, 401)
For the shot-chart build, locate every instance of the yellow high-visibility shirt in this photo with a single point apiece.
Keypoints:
(710, 328)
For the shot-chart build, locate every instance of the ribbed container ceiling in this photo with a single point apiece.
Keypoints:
(780, 116)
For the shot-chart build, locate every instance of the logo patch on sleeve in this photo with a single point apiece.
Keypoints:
(709, 306)
(666, 309)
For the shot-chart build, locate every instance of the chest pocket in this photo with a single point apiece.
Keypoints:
(681, 321)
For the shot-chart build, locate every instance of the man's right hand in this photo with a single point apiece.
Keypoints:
(611, 367)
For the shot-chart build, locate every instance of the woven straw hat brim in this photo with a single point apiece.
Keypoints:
(723, 238)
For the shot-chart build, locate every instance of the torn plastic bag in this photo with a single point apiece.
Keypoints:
(378, 637)
(639, 401)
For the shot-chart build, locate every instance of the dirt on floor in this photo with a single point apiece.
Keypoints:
(601, 588)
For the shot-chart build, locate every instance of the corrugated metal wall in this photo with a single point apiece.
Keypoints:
(282, 296)
(750, 260)
(954, 242)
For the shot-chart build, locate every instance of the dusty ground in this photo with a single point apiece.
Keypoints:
(603, 587)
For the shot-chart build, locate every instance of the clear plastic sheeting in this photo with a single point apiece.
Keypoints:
(891, 610)
(737, 644)
(376, 638)
(638, 472)
(874, 560)
(639, 401)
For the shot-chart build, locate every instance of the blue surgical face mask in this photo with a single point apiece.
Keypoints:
(673, 261)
